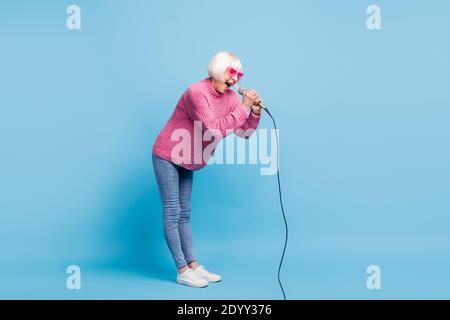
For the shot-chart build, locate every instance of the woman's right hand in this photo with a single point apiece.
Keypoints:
(249, 98)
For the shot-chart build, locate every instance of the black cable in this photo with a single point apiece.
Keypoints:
(281, 203)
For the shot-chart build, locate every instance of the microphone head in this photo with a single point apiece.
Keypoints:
(241, 90)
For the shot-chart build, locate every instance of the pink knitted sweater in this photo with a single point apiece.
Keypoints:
(201, 108)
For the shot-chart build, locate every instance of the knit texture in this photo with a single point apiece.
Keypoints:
(202, 109)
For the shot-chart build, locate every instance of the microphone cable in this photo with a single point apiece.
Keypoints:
(281, 202)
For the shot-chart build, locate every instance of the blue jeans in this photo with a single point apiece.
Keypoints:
(175, 186)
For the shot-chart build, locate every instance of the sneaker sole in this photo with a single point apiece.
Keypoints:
(191, 285)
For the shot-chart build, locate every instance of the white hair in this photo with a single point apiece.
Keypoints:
(220, 62)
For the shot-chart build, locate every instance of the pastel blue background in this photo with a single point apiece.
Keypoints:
(364, 123)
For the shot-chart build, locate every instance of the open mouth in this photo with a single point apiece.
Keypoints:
(228, 84)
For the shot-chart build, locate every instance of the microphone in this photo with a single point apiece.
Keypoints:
(242, 91)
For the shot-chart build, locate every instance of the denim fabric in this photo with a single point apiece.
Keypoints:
(175, 186)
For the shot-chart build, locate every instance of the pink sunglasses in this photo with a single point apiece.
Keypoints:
(233, 72)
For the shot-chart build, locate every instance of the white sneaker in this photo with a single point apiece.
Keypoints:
(205, 274)
(191, 279)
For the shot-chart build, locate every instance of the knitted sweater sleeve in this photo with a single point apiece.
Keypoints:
(199, 109)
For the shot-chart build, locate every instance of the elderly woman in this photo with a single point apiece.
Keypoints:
(212, 106)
